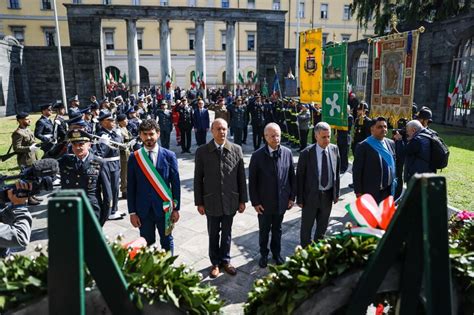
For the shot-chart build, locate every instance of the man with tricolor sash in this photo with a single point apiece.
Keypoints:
(153, 188)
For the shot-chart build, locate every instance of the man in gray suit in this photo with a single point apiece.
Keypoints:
(318, 183)
(219, 192)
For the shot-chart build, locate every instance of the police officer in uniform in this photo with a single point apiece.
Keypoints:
(238, 121)
(165, 120)
(111, 166)
(73, 105)
(185, 125)
(44, 128)
(83, 169)
(133, 121)
(361, 126)
(122, 121)
(292, 115)
(257, 118)
(60, 125)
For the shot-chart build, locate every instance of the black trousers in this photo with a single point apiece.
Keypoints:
(238, 135)
(165, 138)
(219, 229)
(111, 177)
(185, 138)
(257, 136)
(201, 136)
(343, 145)
(304, 139)
(245, 132)
(319, 211)
(267, 223)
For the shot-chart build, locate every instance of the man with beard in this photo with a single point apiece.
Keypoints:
(151, 205)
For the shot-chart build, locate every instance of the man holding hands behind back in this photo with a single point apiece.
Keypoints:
(272, 187)
(219, 191)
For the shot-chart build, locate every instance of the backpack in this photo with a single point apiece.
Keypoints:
(439, 153)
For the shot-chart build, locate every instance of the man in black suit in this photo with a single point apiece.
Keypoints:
(373, 171)
(272, 187)
(318, 183)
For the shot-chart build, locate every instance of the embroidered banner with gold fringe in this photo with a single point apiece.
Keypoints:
(311, 85)
(393, 75)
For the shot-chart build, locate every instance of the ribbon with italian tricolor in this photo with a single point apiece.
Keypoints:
(372, 219)
(157, 182)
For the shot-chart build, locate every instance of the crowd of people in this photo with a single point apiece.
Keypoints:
(122, 146)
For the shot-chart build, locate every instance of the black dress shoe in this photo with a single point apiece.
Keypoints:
(33, 202)
(263, 262)
(37, 198)
(278, 260)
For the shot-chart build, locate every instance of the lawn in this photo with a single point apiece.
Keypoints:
(459, 173)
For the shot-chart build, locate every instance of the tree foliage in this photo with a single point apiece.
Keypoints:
(409, 12)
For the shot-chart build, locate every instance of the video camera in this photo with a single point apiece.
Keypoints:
(41, 175)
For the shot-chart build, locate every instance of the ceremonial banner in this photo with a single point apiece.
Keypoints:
(335, 86)
(311, 87)
(393, 79)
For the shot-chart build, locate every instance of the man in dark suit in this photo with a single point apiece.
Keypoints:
(201, 122)
(272, 187)
(145, 204)
(318, 183)
(44, 128)
(219, 191)
(373, 171)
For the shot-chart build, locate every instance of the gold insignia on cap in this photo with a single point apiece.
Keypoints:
(76, 134)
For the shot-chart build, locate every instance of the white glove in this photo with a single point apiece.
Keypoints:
(104, 139)
(34, 148)
(57, 122)
(132, 143)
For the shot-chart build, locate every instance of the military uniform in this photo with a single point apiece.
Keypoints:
(22, 140)
(238, 122)
(258, 124)
(292, 122)
(111, 168)
(166, 126)
(124, 154)
(185, 126)
(361, 131)
(44, 131)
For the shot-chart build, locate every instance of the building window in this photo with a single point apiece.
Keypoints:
(225, 3)
(345, 37)
(223, 40)
(109, 40)
(276, 5)
(325, 39)
(107, 2)
(324, 10)
(13, 4)
(192, 38)
(140, 38)
(50, 37)
(46, 4)
(164, 2)
(347, 12)
(19, 33)
(192, 3)
(135, 2)
(251, 41)
(301, 9)
(76, 1)
(251, 4)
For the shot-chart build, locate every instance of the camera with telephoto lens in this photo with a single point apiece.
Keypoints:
(402, 123)
(41, 176)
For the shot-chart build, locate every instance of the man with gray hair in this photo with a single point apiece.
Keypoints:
(272, 187)
(318, 183)
(417, 150)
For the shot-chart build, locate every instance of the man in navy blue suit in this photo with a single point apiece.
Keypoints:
(151, 199)
(201, 123)
(272, 187)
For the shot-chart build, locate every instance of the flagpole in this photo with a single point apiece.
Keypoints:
(60, 56)
(297, 68)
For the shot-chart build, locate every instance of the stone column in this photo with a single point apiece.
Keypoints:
(200, 48)
(230, 55)
(165, 52)
(132, 50)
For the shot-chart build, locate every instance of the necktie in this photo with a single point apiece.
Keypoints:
(150, 155)
(324, 170)
(79, 164)
(219, 149)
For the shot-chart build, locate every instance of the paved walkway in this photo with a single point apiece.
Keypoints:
(190, 234)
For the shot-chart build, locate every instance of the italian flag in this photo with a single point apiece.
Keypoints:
(168, 82)
(368, 215)
(467, 96)
(201, 81)
(193, 80)
(454, 90)
(241, 78)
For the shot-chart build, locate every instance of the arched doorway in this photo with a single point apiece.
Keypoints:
(144, 77)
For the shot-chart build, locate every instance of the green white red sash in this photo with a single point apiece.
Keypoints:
(370, 217)
(157, 182)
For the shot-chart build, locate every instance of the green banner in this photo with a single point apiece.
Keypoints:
(335, 86)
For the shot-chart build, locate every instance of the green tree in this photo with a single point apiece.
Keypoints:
(407, 11)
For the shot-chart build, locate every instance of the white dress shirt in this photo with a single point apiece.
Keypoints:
(319, 159)
(154, 153)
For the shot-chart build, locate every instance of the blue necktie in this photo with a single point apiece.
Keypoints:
(324, 170)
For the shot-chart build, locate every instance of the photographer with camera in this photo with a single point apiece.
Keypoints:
(15, 221)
